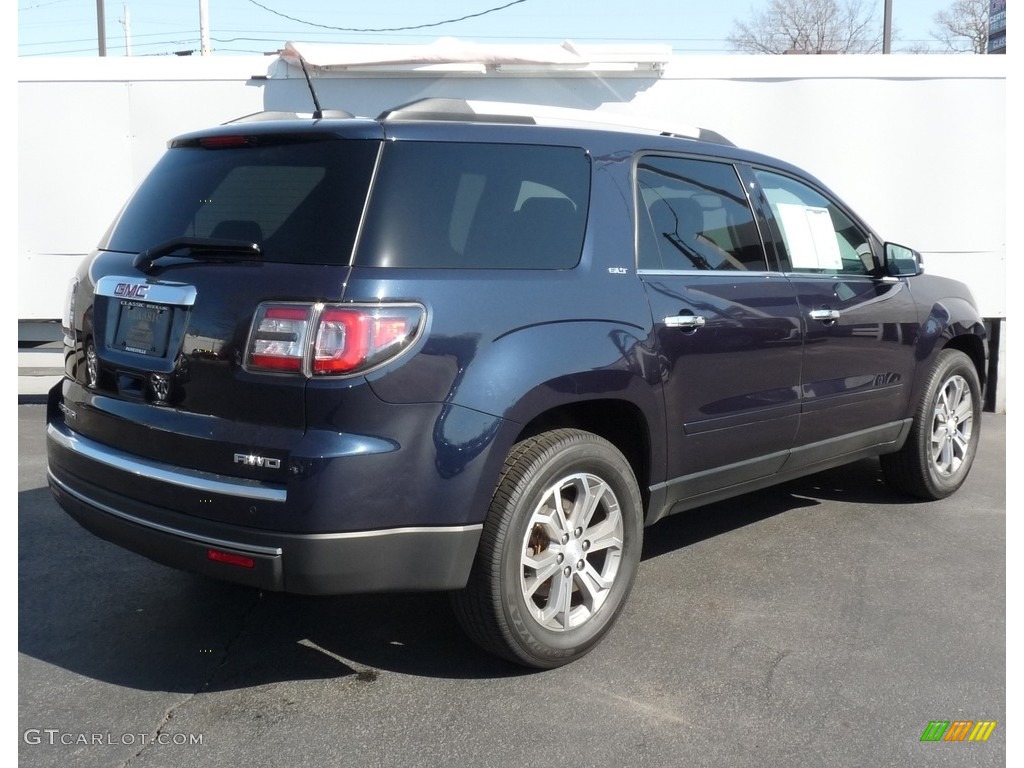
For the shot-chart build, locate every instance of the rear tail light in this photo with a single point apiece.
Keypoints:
(68, 321)
(280, 338)
(330, 340)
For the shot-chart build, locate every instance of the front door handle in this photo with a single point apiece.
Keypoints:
(684, 321)
(825, 315)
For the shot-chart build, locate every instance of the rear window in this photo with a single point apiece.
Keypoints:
(299, 200)
(481, 206)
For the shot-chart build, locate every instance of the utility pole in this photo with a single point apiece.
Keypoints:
(887, 28)
(127, 24)
(204, 28)
(101, 28)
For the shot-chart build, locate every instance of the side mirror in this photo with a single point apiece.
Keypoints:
(901, 261)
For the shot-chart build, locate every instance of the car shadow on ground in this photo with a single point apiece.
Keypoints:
(861, 482)
(95, 610)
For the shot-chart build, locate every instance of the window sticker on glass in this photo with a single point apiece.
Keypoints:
(810, 237)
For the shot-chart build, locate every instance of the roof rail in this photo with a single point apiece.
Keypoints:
(434, 108)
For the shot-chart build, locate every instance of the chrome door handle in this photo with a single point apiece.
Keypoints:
(684, 321)
(825, 315)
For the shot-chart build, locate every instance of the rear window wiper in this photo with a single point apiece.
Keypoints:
(198, 248)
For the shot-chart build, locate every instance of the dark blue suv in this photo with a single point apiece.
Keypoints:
(459, 349)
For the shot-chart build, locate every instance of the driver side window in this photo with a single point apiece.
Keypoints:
(817, 236)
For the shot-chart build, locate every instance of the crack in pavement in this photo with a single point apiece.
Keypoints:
(169, 713)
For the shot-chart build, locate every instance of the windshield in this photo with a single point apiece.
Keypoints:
(299, 201)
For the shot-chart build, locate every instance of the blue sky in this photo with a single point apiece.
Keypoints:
(160, 27)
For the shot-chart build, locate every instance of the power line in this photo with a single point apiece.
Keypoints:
(388, 29)
(40, 5)
(87, 39)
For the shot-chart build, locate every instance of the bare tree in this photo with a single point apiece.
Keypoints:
(810, 26)
(963, 27)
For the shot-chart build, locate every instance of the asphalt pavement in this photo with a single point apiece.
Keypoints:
(826, 622)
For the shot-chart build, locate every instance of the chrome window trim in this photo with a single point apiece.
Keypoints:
(724, 273)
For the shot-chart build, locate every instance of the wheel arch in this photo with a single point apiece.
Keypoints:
(973, 346)
(598, 376)
(952, 322)
(622, 423)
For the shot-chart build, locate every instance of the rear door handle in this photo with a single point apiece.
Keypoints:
(825, 315)
(684, 321)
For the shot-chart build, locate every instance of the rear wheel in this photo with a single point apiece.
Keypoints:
(935, 460)
(559, 551)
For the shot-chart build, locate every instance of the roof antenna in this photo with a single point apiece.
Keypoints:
(319, 113)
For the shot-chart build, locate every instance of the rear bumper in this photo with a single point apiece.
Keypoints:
(396, 559)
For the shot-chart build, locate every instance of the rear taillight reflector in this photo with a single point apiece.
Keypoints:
(230, 558)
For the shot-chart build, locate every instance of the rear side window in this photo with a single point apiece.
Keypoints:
(300, 201)
(481, 206)
(693, 214)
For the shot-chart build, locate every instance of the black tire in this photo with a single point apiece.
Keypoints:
(530, 554)
(935, 460)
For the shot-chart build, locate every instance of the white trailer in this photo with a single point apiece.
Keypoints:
(916, 144)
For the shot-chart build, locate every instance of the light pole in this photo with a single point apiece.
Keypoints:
(887, 28)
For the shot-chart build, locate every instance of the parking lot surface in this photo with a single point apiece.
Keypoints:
(825, 622)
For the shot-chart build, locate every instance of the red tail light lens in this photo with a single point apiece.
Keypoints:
(342, 340)
(331, 340)
(349, 340)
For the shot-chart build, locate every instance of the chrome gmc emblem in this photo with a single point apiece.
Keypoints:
(251, 460)
(131, 290)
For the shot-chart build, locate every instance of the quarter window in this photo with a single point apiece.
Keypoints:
(693, 214)
(477, 206)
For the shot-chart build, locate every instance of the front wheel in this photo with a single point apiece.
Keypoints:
(559, 550)
(935, 460)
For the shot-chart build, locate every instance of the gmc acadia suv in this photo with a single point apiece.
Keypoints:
(461, 348)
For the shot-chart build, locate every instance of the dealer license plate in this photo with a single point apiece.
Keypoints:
(143, 328)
